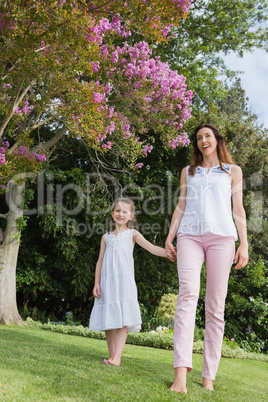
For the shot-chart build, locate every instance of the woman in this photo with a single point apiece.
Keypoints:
(205, 231)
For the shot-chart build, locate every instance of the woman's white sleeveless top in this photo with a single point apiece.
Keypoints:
(208, 203)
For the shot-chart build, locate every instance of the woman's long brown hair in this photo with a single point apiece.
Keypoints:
(222, 152)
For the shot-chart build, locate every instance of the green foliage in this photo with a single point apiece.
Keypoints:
(33, 313)
(212, 28)
(155, 340)
(199, 334)
(230, 342)
(22, 222)
(166, 307)
(246, 305)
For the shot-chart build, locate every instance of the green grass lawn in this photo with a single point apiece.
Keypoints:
(38, 365)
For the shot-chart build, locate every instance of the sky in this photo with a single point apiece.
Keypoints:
(254, 80)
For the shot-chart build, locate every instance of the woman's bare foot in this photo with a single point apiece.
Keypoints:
(208, 384)
(179, 384)
(115, 361)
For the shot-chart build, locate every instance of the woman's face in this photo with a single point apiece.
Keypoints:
(206, 141)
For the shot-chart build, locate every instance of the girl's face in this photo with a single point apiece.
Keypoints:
(122, 213)
(206, 141)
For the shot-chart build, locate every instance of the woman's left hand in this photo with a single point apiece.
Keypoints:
(241, 256)
(171, 256)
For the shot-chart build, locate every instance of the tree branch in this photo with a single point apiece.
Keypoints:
(53, 141)
(39, 124)
(18, 98)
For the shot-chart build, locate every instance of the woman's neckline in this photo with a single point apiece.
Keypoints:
(208, 168)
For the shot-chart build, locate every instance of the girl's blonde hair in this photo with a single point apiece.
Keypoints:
(130, 224)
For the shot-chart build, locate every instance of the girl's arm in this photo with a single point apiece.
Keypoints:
(177, 214)
(97, 289)
(138, 238)
(239, 214)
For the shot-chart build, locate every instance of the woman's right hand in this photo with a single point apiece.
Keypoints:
(96, 291)
(170, 249)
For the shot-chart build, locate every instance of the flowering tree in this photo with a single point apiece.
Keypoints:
(68, 64)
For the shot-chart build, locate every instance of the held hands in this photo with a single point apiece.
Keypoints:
(241, 256)
(96, 291)
(170, 256)
(170, 251)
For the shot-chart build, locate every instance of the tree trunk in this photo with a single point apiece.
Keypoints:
(8, 257)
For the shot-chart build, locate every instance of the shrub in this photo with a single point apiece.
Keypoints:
(166, 308)
(156, 340)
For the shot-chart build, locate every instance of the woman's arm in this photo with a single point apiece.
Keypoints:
(241, 256)
(177, 214)
(156, 250)
(97, 289)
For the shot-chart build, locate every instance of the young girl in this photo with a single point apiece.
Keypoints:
(116, 309)
(205, 230)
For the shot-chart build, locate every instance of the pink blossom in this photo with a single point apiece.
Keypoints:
(139, 165)
(25, 110)
(98, 97)
(95, 66)
(147, 99)
(111, 128)
(114, 58)
(23, 152)
(61, 3)
(184, 5)
(39, 157)
(180, 140)
(7, 86)
(104, 50)
(2, 21)
(147, 149)
(111, 112)
(108, 145)
(107, 88)
(126, 131)
(166, 30)
(2, 159)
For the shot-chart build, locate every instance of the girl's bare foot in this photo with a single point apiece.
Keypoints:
(208, 384)
(115, 361)
(179, 384)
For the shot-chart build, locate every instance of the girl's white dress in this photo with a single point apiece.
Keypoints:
(118, 305)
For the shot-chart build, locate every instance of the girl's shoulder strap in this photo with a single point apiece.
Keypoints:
(130, 232)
